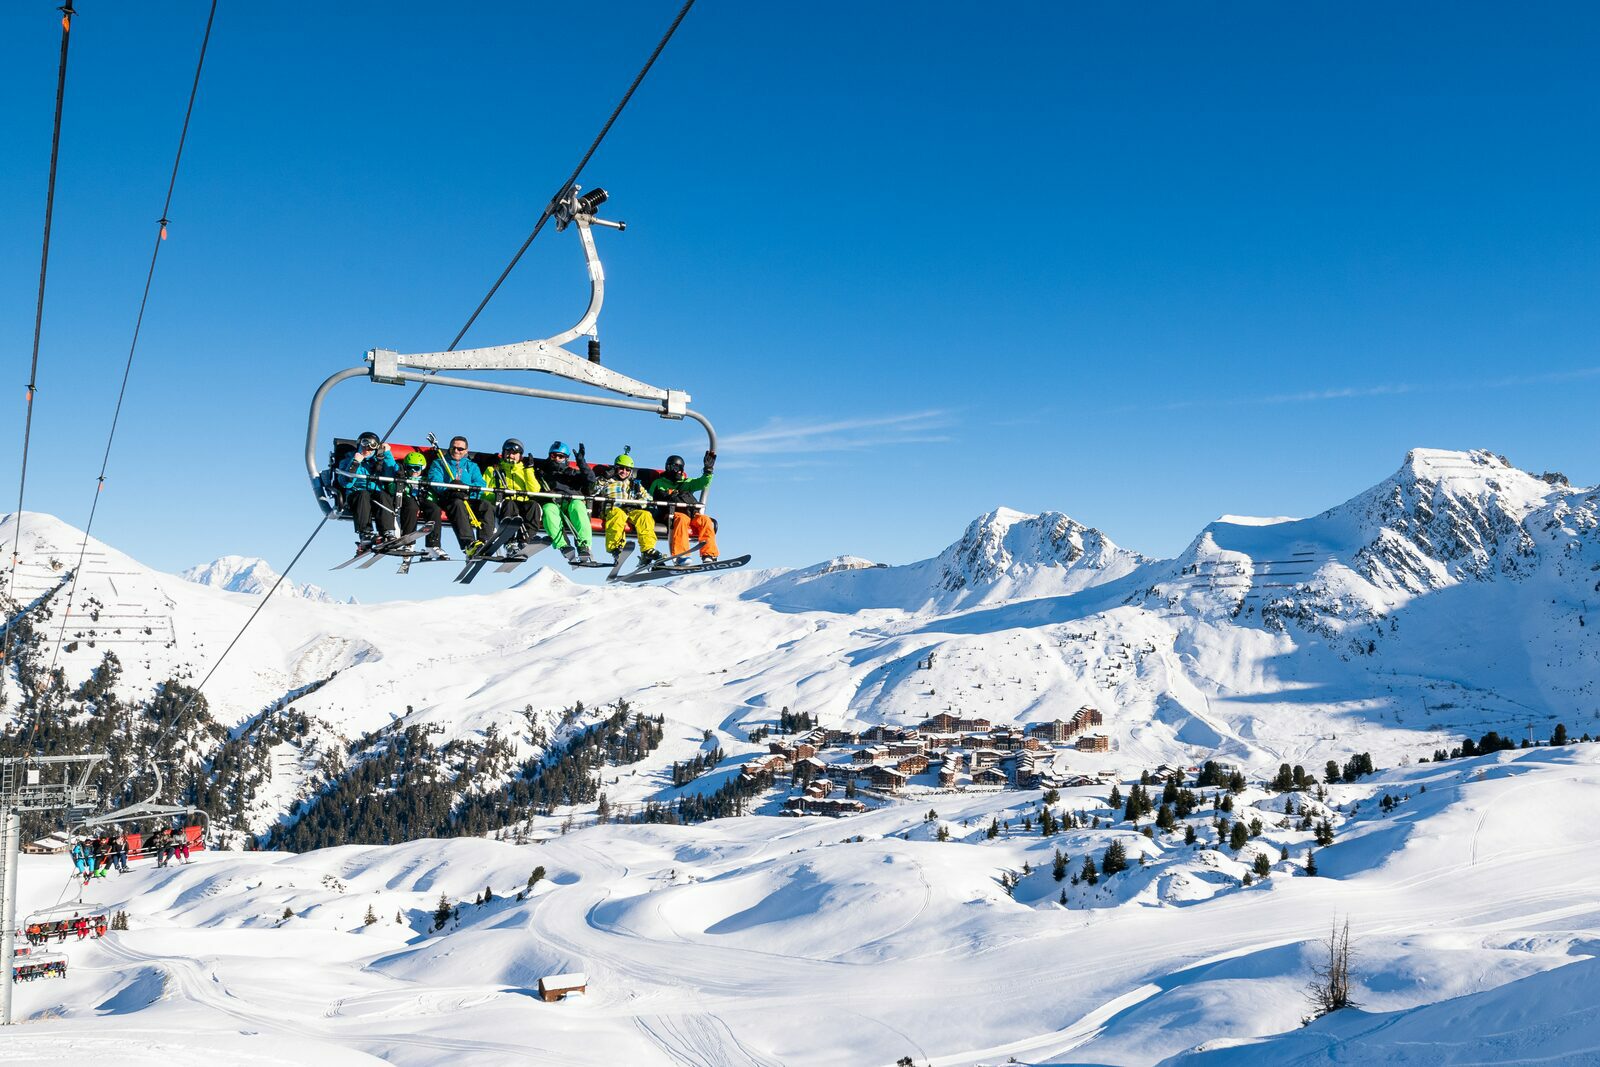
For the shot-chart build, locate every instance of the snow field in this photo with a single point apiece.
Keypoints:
(763, 940)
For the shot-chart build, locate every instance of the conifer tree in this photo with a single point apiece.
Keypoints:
(370, 917)
(1114, 801)
(1058, 869)
(441, 913)
(1063, 900)
(1311, 862)
(1188, 834)
(1239, 837)
(1089, 873)
(535, 876)
(1332, 773)
(1324, 833)
(1165, 819)
(994, 828)
(1263, 866)
(1115, 859)
(1559, 735)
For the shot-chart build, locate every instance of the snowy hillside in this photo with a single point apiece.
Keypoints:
(250, 574)
(816, 941)
(1447, 600)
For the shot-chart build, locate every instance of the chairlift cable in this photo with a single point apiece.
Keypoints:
(543, 218)
(138, 324)
(38, 324)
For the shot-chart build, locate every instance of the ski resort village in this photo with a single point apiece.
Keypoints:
(823, 535)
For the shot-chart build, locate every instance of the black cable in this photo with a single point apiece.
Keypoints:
(543, 218)
(38, 325)
(138, 324)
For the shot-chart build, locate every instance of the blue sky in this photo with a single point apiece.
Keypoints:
(1142, 264)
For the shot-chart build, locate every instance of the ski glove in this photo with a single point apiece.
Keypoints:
(710, 461)
(578, 455)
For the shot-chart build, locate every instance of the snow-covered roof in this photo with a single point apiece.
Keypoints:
(564, 981)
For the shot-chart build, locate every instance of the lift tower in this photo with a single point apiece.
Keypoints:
(32, 783)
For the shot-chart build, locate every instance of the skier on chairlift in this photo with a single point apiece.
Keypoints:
(469, 513)
(409, 491)
(672, 492)
(619, 493)
(514, 484)
(565, 472)
(364, 473)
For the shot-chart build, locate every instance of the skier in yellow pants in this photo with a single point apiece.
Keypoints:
(622, 495)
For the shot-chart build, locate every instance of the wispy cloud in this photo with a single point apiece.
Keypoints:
(1356, 392)
(840, 435)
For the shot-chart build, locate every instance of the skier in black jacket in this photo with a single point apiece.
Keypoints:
(574, 479)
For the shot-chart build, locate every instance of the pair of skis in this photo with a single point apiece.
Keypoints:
(669, 567)
(369, 552)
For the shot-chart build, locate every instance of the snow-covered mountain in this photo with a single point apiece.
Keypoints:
(1450, 598)
(251, 574)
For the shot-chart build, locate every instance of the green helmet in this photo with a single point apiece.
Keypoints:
(416, 459)
(623, 460)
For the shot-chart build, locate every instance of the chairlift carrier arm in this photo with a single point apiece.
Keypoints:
(546, 356)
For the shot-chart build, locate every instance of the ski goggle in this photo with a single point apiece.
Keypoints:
(513, 452)
(367, 444)
(559, 457)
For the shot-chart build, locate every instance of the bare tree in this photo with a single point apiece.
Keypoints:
(1329, 990)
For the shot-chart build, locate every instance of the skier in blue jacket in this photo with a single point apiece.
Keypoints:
(464, 503)
(366, 475)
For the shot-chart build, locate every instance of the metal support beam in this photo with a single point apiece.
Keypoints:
(8, 938)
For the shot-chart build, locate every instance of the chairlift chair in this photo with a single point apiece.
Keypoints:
(196, 822)
(548, 356)
(56, 921)
(29, 966)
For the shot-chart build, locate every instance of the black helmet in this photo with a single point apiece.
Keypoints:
(511, 445)
(367, 440)
(675, 466)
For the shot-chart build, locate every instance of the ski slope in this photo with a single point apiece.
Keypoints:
(764, 941)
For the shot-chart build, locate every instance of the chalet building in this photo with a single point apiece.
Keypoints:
(906, 748)
(1056, 731)
(810, 768)
(941, 740)
(942, 723)
(871, 754)
(947, 775)
(885, 778)
(978, 726)
(792, 752)
(1094, 743)
(885, 734)
(990, 776)
(984, 757)
(818, 737)
(819, 787)
(1076, 781)
(773, 764)
(913, 764)
(1086, 717)
(834, 806)
(555, 987)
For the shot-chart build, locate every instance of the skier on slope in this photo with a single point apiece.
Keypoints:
(574, 480)
(514, 484)
(619, 493)
(672, 492)
(366, 474)
(470, 514)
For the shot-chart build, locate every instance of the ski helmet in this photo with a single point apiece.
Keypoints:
(511, 445)
(561, 447)
(623, 460)
(416, 459)
(675, 466)
(368, 440)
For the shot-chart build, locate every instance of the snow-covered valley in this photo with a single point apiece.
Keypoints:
(1449, 600)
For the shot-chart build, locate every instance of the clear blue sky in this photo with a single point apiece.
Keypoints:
(1144, 264)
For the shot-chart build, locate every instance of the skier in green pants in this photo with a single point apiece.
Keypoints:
(572, 478)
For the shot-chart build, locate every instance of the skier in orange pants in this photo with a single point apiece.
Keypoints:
(673, 492)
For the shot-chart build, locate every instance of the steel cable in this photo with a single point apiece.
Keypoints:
(138, 324)
(38, 325)
(544, 217)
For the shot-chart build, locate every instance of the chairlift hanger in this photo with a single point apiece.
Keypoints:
(144, 811)
(388, 367)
